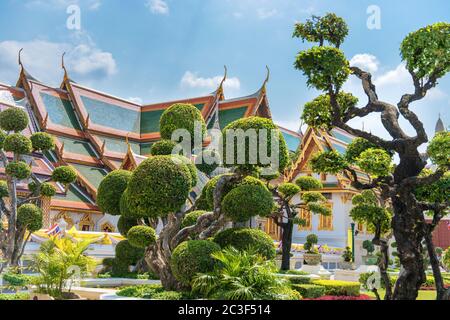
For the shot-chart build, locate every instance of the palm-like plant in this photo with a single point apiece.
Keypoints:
(58, 261)
(240, 275)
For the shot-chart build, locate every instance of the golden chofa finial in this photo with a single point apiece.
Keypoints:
(224, 76)
(63, 66)
(267, 77)
(20, 57)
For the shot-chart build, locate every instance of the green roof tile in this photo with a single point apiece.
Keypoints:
(119, 145)
(292, 141)
(113, 116)
(74, 195)
(82, 147)
(60, 111)
(150, 121)
(93, 174)
(145, 148)
(230, 115)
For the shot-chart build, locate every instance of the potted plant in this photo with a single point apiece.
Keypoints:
(347, 257)
(58, 263)
(370, 259)
(312, 256)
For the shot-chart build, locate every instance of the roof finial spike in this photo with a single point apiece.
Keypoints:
(63, 66)
(20, 58)
(220, 89)
(267, 79)
(127, 140)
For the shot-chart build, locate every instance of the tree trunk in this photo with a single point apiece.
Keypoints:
(286, 244)
(408, 235)
(438, 280)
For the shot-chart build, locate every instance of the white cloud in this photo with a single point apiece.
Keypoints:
(192, 80)
(365, 61)
(266, 13)
(136, 100)
(42, 59)
(157, 6)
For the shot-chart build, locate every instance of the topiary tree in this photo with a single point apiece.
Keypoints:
(162, 148)
(243, 239)
(192, 257)
(159, 188)
(286, 213)
(426, 55)
(22, 214)
(111, 190)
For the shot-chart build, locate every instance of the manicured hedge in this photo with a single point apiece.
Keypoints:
(192, 257)
(127, 254)
(17, 143)
(13, 119)
(110, 191)
(190, 219)
(245, 238)
(309, 290)
(339, 288)
(141, 236)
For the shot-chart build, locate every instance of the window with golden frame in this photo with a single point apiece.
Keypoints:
(326, 222)
(307, 216)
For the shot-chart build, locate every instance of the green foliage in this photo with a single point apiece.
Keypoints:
(246, 201)
(307, 183)
(168, 295)
(2, 138)
(158, 186)
(367, 210)
(241, 275)
(369, 247)
(247, 239)
(42, 141)
(17, 143)
(47, 190)
(376, 162)
(179, 159)
(201, 203)
(319, 208)
(246, 152)
(287, 190)
(323, 66)
(309, 291)
(181, 116)
(125, 224)
(125, 209)
(313, 197)
(162, 147)
(207, 161)
(17, 279)
(318, 113)
(141, 236)
(347, 255)
(127, 254)
(356, 147)
(18, 169)
(56, 262)
(446, 258)
(329, 28)
(190, 219)
(29, 216)
(64, 175)
(439, 149)
(13, 119)
(3, 189)
(311, 241)
(427, 50)
(192, 257)
(15, 296)
(151, 291)
(328, 162)
(339, 288)
(110, 191)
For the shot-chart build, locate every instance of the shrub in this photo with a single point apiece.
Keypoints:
(143, 291)
(141, 236)
(307, 183)
(446, 258)
(158, 187)
(168, 295)
(3, 189)
(439, 149)
(125, 224)
(119, 269)
(17, 279)
(47, 190)
(209, 188)
(17, 143)
(30, 217)
(256, 124)
(356, 147)
(210, 164)
(125, 210)
(179, 159)
(127, 254)
(108, 262)
(311, 241)
(42, 141)
(360, 297)
(190, 219)
(375, 161)
(18, 169)
(110, 191)
(245, 238)
(15, 296)
(64, 175)
(288, 190)
(298, 279)
(339, 288)
(368, 246)
(13, 119)
(3, 136)
(181, 116)
(192, 257)
(246, 201)
(309, 290)
(162, 148)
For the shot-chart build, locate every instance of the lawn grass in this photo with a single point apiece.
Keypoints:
(423, 294)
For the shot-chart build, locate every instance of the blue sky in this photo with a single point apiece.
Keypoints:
(156, 50)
